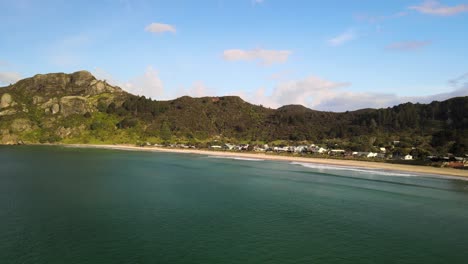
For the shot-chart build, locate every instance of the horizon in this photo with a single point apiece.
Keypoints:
(232, 95)
(368, 54)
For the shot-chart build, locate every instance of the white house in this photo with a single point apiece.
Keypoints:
(322, 150)
(229, 146)
(408, 157)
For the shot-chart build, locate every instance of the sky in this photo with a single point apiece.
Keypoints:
(329, 55)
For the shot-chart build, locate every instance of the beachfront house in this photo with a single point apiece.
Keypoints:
(408, 157)
(300, 149)
(229, 146)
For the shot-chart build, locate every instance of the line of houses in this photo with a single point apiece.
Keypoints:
(449, 160)
(306, 149)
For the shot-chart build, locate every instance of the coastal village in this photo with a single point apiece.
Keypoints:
(319, 151)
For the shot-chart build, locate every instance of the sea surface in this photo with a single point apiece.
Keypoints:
(63, 205)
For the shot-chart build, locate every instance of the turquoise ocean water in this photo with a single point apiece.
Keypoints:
(65, 206)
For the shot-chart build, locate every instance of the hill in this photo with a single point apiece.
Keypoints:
(78, 108)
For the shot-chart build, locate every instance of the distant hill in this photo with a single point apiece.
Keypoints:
(78, 108)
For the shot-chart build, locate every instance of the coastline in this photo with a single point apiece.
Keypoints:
(334, 162)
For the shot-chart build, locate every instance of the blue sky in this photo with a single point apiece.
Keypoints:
(328, 55)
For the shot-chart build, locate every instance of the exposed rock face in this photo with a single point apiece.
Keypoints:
(53, 84)
(55, 108)
(38, 99)
(6, 100)
(21, 125)
(73, 105)
(9, 139)
(8, 112)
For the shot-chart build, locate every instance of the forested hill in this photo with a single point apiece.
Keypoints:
(78, 108)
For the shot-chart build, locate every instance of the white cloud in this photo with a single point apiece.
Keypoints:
(342, 38)
(198, 89)
(9, 77)
(160, 28)
(377, 19)
(309, 91)
(433, 7)
(408, 45)
(148, 84)
(320, 94)
(266, 57)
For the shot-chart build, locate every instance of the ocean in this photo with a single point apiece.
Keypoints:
(65, 205)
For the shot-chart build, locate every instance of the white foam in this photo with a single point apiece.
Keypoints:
(235, 158)
(356, 169)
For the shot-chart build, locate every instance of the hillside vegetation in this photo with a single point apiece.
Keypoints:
(78, 108)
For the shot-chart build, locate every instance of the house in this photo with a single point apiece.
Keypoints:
(229, 146)
(281, 149)
(371, 155)
(259, 149)
(300, 149)
(337, 152)
(408, 157)
(321, 150)
(216, 147)
(383, 150)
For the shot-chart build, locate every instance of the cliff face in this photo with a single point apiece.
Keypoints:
(47, 98)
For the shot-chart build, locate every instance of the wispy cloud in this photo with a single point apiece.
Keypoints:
(321, 94)
(266, 57)
(408, 45)
(148, 84)
(460, 82)
(160, 28)
(342, 38)
(373, 19)
(198, 89)
(9, 77)
(433, 7)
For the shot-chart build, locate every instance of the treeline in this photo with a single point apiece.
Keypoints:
(437, 127)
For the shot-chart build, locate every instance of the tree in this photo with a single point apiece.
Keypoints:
(166, 132)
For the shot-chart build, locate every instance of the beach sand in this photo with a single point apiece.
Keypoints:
(348, 163)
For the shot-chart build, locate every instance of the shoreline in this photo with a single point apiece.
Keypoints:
(334, 162)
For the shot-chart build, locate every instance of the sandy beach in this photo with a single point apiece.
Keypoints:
(263, 156)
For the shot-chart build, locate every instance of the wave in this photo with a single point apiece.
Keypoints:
(235, 158)
(355, 169)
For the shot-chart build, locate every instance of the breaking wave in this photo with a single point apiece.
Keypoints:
(354, 169)
(235, 158)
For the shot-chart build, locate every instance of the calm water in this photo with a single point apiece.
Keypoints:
(61, 205)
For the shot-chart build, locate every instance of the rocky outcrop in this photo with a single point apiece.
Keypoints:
(65, 132)
(21, 125)
(50, 85)
(6, 100)
(8, 112)
(70, 105)
(38, 99)
(9, 139)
